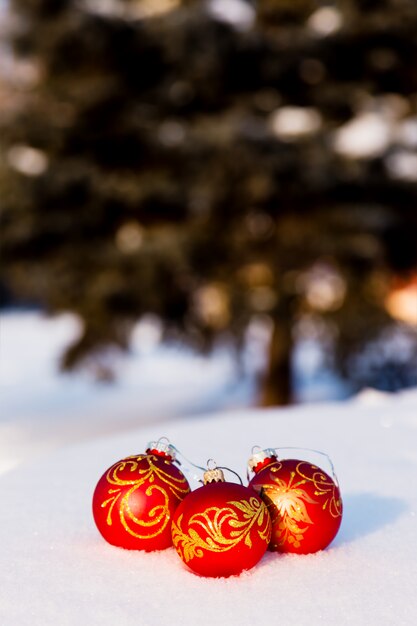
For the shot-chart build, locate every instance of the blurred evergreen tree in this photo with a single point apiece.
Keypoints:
(208, 162)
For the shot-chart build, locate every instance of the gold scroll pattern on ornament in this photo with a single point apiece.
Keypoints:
(221, 529)
(287, 502)
(144, 470)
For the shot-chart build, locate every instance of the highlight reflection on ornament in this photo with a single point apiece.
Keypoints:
(304, 502)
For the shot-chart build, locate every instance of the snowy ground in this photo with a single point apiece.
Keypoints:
(42, 410)
(56, 569)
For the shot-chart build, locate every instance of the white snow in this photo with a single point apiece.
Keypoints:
(292, 123)
(56, 569)
(27, 160)
(41, 410)
(365, 136)
(238, 13)
(403, 164)
(325, 21)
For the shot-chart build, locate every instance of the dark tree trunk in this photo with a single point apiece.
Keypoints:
(276, 386)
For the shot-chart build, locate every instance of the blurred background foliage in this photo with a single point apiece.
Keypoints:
(214, 163)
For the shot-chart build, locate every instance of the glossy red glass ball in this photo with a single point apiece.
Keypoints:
(304, 503)
(135, 499)
(221, 529)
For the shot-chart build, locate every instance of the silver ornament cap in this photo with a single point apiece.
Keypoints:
(161, 447)
(213, 474)
(259, 457)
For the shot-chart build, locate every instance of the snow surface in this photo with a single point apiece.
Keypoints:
(56, 439)
(56, 569)
(42, 410)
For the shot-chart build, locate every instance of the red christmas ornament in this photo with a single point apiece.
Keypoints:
(136, 497)
(222, 528)
(303, 501)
